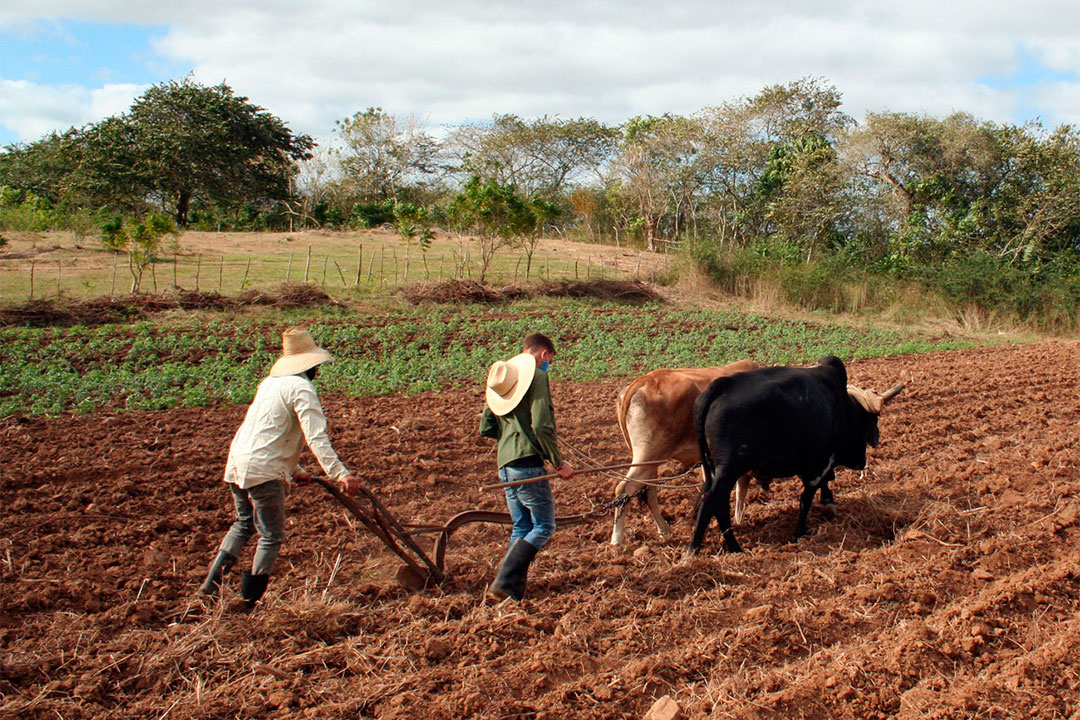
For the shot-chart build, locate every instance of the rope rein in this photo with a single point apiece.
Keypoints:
(587, 461)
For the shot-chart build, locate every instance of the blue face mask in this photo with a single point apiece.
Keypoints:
(544, 365)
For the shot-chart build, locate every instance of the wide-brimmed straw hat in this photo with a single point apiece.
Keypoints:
(299, 353)
(507, 382)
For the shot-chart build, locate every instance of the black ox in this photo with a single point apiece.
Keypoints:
(779, 422)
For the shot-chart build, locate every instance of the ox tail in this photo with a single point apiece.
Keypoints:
(701, 407)
(741, 488)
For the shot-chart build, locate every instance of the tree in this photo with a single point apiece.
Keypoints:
(142, 239)
(934, 177)
(183, 143)
(770, 165)
(657, 170)
(313, 185)
(39, 167)
(381, 157)
(539, 157)
(497, 215)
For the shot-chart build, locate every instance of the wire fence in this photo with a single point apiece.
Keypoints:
(367, 269)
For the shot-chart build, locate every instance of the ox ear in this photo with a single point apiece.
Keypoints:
(891, 393)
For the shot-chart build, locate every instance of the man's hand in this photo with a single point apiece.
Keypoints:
(301, 477)
(565, 471)
(350, 484)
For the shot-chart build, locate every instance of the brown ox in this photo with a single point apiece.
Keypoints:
(656, 416)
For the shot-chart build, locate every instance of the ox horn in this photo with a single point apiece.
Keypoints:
(891, 393)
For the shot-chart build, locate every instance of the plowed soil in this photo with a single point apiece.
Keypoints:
(945, 584)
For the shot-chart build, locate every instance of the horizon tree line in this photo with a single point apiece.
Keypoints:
(785, 169)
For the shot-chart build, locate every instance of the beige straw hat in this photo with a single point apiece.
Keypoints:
(507, 382)
(298, 353)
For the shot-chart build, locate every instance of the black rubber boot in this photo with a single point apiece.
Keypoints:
(252, 588)
(218, 568)
(510, 580)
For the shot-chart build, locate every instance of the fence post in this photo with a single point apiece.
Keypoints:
(198, 269)
(220, 274)
(343, 283)
(175, 262)
(307, 265)
(326, 259)
(359, 262)
(32, 263)
(243, 283)
(288, 271)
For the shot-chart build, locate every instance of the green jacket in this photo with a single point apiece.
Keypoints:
(528, 429)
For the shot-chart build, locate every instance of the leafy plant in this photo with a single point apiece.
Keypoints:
(191, 361)
(142, 240)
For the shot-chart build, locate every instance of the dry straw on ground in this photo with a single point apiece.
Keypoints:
(466, 291)
(100, 311)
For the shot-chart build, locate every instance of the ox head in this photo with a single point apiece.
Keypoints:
(867, 406)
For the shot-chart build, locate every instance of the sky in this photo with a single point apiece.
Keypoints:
(65, 63)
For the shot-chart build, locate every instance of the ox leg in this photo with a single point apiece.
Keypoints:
(618, 532)
(630, 486)
(662, 526)
(805, 500)
(827, 499)
(810, 488)
(715, 503)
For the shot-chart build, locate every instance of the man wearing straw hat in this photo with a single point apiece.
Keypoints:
(264, 460)
(520, 416)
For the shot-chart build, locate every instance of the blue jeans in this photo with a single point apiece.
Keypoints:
(532, 507)
(260, 508)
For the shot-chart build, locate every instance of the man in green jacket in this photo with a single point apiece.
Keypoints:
(519, 415)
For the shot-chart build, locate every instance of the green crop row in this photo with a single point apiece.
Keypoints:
(200, 360)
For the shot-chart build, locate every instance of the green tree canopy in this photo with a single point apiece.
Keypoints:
(383, 158)
(180, 143)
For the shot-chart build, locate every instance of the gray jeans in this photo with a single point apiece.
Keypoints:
(260, 508)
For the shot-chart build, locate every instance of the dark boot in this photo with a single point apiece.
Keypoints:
(252, 588)
(218, 568)
(510, 580)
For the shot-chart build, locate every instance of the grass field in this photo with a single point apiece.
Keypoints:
(43, 265)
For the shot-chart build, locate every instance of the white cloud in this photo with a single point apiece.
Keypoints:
(455, 60)
(34, 111)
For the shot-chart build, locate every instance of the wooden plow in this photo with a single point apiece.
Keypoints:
(421, 570)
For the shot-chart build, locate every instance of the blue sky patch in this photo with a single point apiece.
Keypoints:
(1030, 72)
(69, 52)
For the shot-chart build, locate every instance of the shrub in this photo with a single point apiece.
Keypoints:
(369, 215)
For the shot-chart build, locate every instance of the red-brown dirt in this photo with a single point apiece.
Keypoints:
(945, 585)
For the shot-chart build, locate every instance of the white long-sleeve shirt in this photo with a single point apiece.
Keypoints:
(267, 446)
